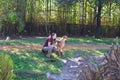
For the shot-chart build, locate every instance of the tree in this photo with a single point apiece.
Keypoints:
(42, 16)
(99, 8)
(100, 4)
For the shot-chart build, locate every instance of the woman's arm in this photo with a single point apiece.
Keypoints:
(49, 43)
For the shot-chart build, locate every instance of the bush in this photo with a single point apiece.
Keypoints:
(16, 18)
(6, 67)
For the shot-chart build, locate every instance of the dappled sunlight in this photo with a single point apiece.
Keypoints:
(99, 52)
(55, 56)
(81, 39)
(27, 54)
(42, 67)
(5, 48)
(32, 61)
(29, 58)
(40, 40)
(37, 71)
(87, 52)
(90, 40)
(23, 57)
(53, 68)
(8, 48)
(99, 39)
(40, 37)
(35, 58)
(15, 49)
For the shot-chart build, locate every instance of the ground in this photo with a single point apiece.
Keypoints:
(38, 47)
(28, 60)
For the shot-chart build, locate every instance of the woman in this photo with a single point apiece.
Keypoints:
(48, 46)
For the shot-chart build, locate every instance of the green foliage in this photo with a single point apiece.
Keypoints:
(16, 18)
(6, 67)
(67, 2)
(21, 25)
(117, 1)
(13, 18)
(97, 2)
(9, 13)
(57, 11)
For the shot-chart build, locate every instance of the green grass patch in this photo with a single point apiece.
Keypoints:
(90, 40)
(24, 41)
(41, 40)
(71, 53)
(34, 61)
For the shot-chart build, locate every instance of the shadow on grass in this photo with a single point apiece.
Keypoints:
(30, 40)
(90, 40)
(32, 62)
(71, 53)
(35, 62)
(41, 40)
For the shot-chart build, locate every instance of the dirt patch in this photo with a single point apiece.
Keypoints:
(38, 47)
(20, 47)
(87, 46)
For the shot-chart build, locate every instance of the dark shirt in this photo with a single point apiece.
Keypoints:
(47, 41)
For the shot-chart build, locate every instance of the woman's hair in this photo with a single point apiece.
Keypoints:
(51, 35)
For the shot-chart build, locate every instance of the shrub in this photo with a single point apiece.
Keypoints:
(6, 67)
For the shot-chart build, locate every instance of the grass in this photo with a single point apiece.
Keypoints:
(90, 40)
(34, 61)
(40, 40)
(71, 53)
(24, 41)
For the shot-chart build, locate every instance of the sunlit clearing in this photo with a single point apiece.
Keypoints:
(81, 40)
(55, 56)
(23, 57)
(53, 68)
(99, 39)
(27, 54)
(99, 52)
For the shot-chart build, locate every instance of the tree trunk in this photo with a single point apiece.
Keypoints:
(21, 9)
(79, 19)
(83, 13)
(97, 33)
(109, 14)
(46, 16)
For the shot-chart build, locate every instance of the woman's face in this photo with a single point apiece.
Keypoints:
(54, 36)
